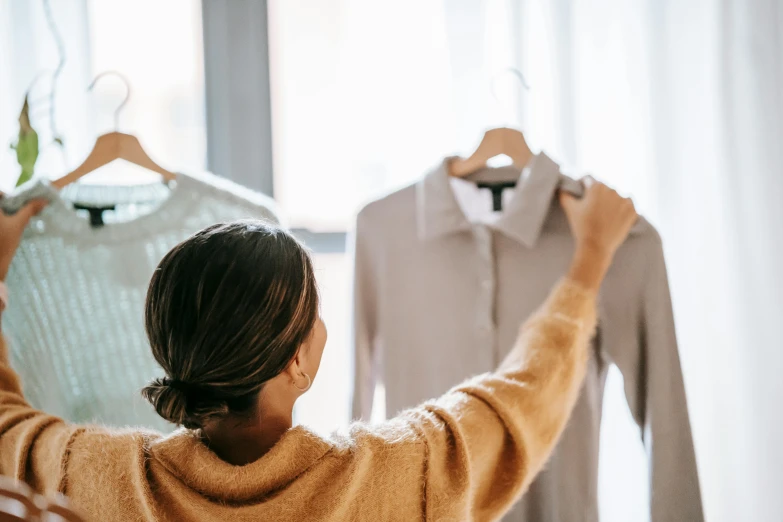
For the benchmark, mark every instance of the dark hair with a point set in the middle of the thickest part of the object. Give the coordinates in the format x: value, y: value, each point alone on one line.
x: 227, y: 309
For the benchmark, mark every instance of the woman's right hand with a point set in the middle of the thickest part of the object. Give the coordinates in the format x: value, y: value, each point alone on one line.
x: 600, y: 221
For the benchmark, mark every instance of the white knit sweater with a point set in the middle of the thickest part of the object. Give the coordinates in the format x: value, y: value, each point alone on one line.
x: 78, y: 291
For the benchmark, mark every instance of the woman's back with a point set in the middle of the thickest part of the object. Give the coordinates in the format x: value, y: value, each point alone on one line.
x: 136, y: 476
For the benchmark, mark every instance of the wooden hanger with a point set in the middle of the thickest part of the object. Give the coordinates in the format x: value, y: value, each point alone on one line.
x: 502, y: 140
x: 113, y: 146
x: 495, y: 142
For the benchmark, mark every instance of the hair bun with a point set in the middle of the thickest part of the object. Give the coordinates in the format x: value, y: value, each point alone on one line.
x: 182, y: 403
x: 170, y: 401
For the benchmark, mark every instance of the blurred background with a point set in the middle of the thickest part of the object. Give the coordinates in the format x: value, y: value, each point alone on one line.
x: 327, y: 104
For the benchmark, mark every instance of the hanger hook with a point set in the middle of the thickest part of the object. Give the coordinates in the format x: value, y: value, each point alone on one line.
x: 124, y: 100
x: 508, y: 70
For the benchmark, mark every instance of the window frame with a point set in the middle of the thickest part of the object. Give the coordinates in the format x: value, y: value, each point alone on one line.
x: 239, y: 104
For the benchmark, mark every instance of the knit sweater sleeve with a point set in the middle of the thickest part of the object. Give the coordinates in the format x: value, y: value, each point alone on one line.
x: 490, y: 436
x: 33, y: 444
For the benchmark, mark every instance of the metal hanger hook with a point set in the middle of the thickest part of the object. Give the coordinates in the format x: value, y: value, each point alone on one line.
x: 124, y: 100
x: 508, y: 70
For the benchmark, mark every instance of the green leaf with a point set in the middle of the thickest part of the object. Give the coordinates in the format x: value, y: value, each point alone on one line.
x: 24, y: 177
x: 26, y: 145
x: 27, y: 150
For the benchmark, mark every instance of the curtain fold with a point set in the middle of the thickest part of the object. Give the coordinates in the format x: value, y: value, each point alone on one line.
x: 752, y: 123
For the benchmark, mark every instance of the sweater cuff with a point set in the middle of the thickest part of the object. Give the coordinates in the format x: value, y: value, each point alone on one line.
x: 573, y: 303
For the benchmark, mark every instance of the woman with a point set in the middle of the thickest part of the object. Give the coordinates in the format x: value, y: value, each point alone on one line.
x: 232, y: 317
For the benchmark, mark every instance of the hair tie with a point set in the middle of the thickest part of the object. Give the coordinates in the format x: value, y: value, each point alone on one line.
x: 178, y: 385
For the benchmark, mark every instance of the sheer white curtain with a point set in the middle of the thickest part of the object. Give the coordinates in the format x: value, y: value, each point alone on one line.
x: 681, y: 105
x: 751, y: 119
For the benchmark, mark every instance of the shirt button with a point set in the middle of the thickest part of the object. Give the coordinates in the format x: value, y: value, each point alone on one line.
x: 487, y: 284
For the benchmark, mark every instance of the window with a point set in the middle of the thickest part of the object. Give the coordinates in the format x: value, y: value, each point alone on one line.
x: 363, y: 102
x: 366, y: 97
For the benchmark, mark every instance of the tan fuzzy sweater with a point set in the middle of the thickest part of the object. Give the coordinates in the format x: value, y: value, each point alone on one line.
x: 465, y: 456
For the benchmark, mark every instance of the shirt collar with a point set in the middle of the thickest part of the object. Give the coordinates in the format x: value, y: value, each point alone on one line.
x: 439, y: 213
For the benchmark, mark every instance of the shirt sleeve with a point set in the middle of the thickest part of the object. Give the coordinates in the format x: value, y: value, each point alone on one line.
x: 656, y: 396
x: 365, y: 352
x: 489, y: 437
x: 33, y: 444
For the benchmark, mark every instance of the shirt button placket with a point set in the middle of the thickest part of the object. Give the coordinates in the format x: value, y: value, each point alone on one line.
x: 486, y: 292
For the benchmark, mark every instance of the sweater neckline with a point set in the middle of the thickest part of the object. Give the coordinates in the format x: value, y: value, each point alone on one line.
x: 186, y: 456
x: 170, y: 211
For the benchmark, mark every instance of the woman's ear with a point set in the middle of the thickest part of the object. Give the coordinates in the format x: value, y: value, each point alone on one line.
x: 296, y: 373
x: 294, y: 368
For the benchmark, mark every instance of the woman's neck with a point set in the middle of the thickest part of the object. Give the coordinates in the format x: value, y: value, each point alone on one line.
x: 242, y: 441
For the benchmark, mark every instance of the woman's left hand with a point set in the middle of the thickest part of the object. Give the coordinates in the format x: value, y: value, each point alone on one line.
x: 11, y: 230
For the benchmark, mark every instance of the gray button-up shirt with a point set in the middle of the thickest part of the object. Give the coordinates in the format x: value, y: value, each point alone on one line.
x: 438, y: 299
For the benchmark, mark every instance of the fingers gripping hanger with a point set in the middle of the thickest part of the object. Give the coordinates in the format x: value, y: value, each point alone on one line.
x: 497, y: 141
x: 113, y: 146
